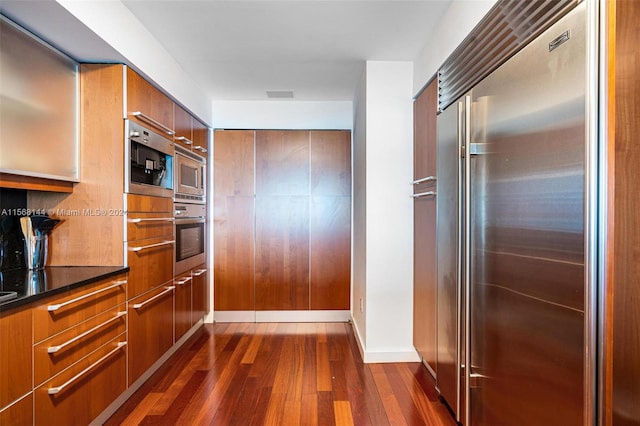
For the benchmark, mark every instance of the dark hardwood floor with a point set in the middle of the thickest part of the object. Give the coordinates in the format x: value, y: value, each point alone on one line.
x: 282, y: 374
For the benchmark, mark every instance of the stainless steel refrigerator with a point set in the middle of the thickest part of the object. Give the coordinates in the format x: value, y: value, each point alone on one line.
x: 511, y: 238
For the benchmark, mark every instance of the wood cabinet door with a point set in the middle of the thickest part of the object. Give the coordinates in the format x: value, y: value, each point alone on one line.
x: 184, y: 287
x: 234, y: 220
x: 143, y: 97
x: 150, y: 264
x: 233, y: 158
x: 200, y: 138
x: 282, y: 253
x: 184, y: 131
x: 425, y: 280
x: 150, y: 329
x: 330, y: 162
x: 85, y: 389
x: 18, y: 414
x: 425, y: 113
x: 234, y: 247
x: 282, y: 162
x: 330, y: 233
x: 200, y: 291
x: 15, y: 355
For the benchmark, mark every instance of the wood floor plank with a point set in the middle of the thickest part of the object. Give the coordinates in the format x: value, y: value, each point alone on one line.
x: 389, y: 400
x: 309, y: 410
x: 342, y: 412
x: 323, y: 369
x: 282, y: 374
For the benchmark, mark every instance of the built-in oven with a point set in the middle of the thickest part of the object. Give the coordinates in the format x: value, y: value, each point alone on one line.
x: 148, y: 162
x: 190, y: 234
x: 190, y: 175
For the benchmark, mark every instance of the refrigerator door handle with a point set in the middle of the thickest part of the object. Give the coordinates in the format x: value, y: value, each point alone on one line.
x: 467, y: 260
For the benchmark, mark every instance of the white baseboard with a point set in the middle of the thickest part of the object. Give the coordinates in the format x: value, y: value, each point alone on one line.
x: 302, y: 316
x: 234, y: 316
x: 282, y: 316
x: 376, y: 357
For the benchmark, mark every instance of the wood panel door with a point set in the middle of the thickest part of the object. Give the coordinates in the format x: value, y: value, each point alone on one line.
x: 234, y: 216
x: 282, y: 162
x: 424, y: 223
x: 425, y: 114
x: 184, y: 133
x: 200, y: 138
x: 330, y: 234
x: 330, y: 162
x: 200, y: 303
x: 282, y: 253
x: 330, y: 219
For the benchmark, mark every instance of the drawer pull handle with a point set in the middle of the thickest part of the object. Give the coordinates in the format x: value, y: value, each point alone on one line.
x: 153, y: 122
x: 57, y: 389
x: 54, y: 349
x: 151, y: 219
x: 200, y: 148
x: 52, y: 308
x: 425, y: 194
x: 183, y: 281
x: 199, y: 272
x: 427, y: 179
x: 164, y: 243
x: 184, y: 140
x: 151, y: 299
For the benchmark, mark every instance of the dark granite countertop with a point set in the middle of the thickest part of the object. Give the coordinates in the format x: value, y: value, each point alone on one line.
x: 30, y: 286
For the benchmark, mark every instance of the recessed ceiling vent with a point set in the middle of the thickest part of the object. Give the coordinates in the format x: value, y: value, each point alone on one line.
x: 280, y: 94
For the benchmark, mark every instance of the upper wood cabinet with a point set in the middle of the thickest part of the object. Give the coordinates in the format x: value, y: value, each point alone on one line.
x: 184, y: 129
x: 200, y: 138
x: 330, y: 162
x: 282, y: 162
x: 425, y: 113
x: 148, y: 105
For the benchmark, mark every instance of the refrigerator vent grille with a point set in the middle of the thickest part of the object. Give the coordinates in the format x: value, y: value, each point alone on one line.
x: 506, y: 28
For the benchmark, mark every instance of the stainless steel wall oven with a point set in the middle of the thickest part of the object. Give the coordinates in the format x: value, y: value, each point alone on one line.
x: 190, y: 234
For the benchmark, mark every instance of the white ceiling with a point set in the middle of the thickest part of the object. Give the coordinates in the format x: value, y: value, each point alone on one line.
x: 237, y: 50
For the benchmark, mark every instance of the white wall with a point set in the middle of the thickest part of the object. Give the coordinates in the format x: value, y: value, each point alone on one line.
x: 459, y: 19
x: 118, y: 27
x: 388, y: 289
x: 359, y: 228
x: 283, y: 114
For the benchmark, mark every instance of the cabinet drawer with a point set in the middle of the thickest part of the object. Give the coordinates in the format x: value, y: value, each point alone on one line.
x: 148, y: 204
x: 149, y: 225
x: 150, y: 329
x: 59, y: 352
x: 85, y: 389
x: 150, y: 264
x: 19, y: 413
x: 200, y: 294
x: 184, y: 285
x: 61, y: 312
x: 15, y: 355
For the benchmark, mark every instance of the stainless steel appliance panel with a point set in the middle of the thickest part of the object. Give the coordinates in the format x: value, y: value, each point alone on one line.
x: 527, y: 280
x: 190, y: 177
x: 190, y: 234
x: 448, y: 257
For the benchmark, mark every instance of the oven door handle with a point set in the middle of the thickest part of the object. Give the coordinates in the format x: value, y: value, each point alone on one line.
x: 189, y: 221
x: 151, y: 219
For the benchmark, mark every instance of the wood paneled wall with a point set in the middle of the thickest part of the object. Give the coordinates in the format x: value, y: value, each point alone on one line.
x: 622, y: 370
x: 290, y: 247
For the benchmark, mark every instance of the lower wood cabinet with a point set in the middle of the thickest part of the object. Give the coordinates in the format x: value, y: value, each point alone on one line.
x: 15, y: 355
x: 84, y: 390
x: 184, y: 288
x: 53, y: 355
x: 150, y: 320
x: 200, y: 303
x: 20, y: 413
